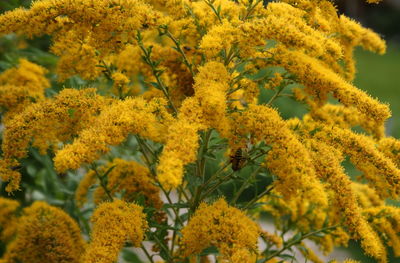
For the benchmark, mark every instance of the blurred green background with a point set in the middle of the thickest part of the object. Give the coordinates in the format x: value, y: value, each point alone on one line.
x: 380, y: 77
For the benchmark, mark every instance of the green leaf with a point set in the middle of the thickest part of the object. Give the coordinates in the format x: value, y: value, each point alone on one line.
x: 129, y: 256
x: 71, y: 112
x: 297, y: 237
x: 209, y: 250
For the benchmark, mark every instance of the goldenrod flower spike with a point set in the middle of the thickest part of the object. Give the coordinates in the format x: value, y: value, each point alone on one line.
x: 8, y: 218
x: 346, y: 117
x: 385, y: 220
x: 45, y: 234
x: 127, y: 177
x: 288, y: 159
x: 328, y: 165
x: 376, y: 167
x: 113, y: 224
x: 111, y: 127
x: 84, y: 32
x: 21, y: 86
x: 206, y: 109
x: 222, y: 226
x: 320, y: 81
x: 45, y: 124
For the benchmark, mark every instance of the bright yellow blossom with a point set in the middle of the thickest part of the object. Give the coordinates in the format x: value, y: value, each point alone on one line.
x: 113, y: 224
x: 224, y: 227
x: 45, y: 234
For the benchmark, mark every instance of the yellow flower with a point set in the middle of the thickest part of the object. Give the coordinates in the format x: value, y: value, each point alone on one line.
x: 111, y: 127
x: 21, y: 86
x: 8, y: 218
x: 125, y: 177
x: 113, y: 224
x: 288, y: 159
x: 222, y: 226
x: 45, y: 234
x: 46, y: 123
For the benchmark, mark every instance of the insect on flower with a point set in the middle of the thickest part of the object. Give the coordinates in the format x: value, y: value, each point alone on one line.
x: 238, y: 160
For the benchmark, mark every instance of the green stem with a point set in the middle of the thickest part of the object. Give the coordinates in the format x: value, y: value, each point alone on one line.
x: 276, y: 95
x: 156, y: 72
x: 203, y: 153
x: 232, y: 53
x: 250, y: 9
x: 255, y: 199
x: 297, y: 241
x: 244, y: 185
x: 182, y: 191
x: 213, y: 188
x: 178, y: 47
x: 147, y: 254
x: 201, y: 163
x: 102, y: 184
x: 214, y: 10
x: 163, y: 247
x: 175, y: 227
x: 217, y: 173
x: 107, y: 72
x: 153, y: 172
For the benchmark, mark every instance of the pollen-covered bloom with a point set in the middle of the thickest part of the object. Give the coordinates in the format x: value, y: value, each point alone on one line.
x: 225, y: 227
x: 8, y: 218
x: 128, y: 178
x: 45, y: 124
x: 83, y: 32
x: 114, y: 223
x: 111, y: 127
x: 21, y: 86
x: 45, y: 234
x: 207, y: 109
x: 288, y: 159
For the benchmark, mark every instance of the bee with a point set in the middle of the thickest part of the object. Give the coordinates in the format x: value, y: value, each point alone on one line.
x: 238, y: 160
x: 15, y: 168
x: 189, y: 51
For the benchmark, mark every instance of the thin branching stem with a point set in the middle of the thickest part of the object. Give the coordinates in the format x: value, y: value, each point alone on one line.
x: 298, y: 241
x: 179, y: 49
x: 156, y: 72
x: 102, y: 183
x: 150, y: 258
x: 245, y: 184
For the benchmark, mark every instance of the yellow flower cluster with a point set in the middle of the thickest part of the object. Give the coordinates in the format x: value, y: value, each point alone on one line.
x: 21, y: 86
x: 127, y: 177
x: 327, y: 163
x: 8, y: 218
x: 225, y: 227
x: 45, y: 234
x: 288, y: 159
x: 111, y: 127
x: 206, y: 109
x: 113, y: 224
x: 46, y: 123
x: 84, y: 32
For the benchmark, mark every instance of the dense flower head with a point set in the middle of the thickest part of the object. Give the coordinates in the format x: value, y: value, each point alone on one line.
x: 125, y: 177
x: 84, y: 31
x: 45, y: 124
x: 45, y: 234
x: 111, y: 127
x: 8, y: 218
x: 225, y: 227
x: 114, y: 223
x: 22, y: 85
